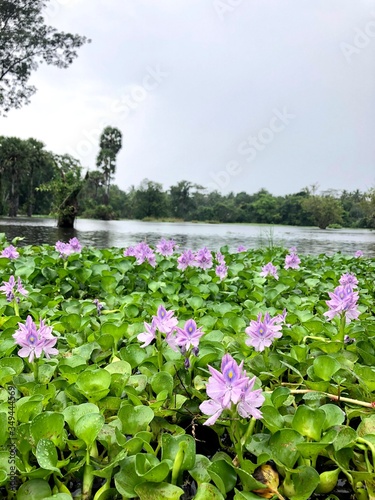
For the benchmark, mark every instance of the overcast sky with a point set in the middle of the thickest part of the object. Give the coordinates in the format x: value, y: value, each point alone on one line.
x: 235, y: 95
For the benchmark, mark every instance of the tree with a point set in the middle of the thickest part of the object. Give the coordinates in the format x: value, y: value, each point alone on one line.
x: 150, y: 200
x: 25, y: 42
x: 110, y: 144
x: 13, y: 159
x: 325, y: 210
x: 65, y: 188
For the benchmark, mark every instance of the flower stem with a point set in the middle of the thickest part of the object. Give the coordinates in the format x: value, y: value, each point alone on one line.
x: 249, y: 431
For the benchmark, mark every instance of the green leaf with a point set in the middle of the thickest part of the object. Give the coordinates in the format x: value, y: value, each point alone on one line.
x: 35, y: 489
x: 48, y: 425
x: 46, y: 454
x: 223, y: 474
x: 135, y: 418
x: 149, y: 468
x: 88, y: 427
x: 171, y: 446
x: 283, y: 446
x: 73, y: 413
x: 94, y: 384
x: 199, y: 471
x: 207, y: 491
x: 158, y: 491
x: 162, y: 381
x: 325, y: 367
x: 309, y: 422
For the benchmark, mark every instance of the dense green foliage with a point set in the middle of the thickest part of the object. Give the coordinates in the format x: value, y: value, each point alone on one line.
x: 25, y: 42
x: 105, y: 418
x: 28, y: 172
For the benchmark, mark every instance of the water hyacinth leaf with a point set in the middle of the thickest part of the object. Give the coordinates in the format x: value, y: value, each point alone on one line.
x: 74, y: 412
x: 304, y: 482
x: 366, y: 376
x: 71, y: 322
x: 127, y: 478
x: 35, y: 489
x: 117, y: 332
x: 149, y: 468
x: 121, y: 367
x: 223, y: 475
x: 367, y: 426
x: 162, y: 381
x: 207, y: 491
x: 283, y: 447
x: 49, y: 425
x: 248, y: 482
x: 334, y: 415
x: 345, y: 438
x: 88, y: 427
x: 46, y: 454
x: 325, y: 366
x: 199, y: 471
x: 195, y: 302
x: 16, y: 364
x: 279, y: 396
x: 133, y: 354
x: 158, y: 491
x: 245, y: 495
x: 309, y: 422
x: 28, y: 407
x: 94, y: 384
x: 3, y: 427
x: 309, y: 450
x: 7, y: 374
x: 171, y: 446
x: 135, y: 418
x: 272, y: 418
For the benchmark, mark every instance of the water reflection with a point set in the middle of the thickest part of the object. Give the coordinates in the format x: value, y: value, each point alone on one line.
x: 105, y: 234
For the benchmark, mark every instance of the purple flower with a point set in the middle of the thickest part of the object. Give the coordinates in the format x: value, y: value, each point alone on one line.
x: 186, y: 259
x: 250, y: 401
x: 10, y: 252
x: 293, y: 249
x: 220, y: 257
x: 63, y: 248
x: 99, y: 306
x: 343, y: 301
x: 262, y: 333
x: 129, y: 252
x: 269, y: 270
x: 203, y: 258
x: 143, y: 252
x: 292, y: 261
x: 34, y: 342
x: 11, y: 288
x: 358, y: 254
x: 149, y: 335
x: 75, y: 245
x: 188, y: 336
x: 230, y: 387
x: 241, y: 248
x: 221, y: 271
x: 165, y: 247
x: 165, y: 321
x: 349, y: 279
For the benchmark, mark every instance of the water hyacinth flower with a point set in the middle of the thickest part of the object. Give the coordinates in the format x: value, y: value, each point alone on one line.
x: 149, y: 335
x: 349, y: 279
x: 241, y: 248
x: 165, y: 247
x: 35, y: 341
x: 142, y: 252
x: 343, y: 301
x: 358, y: 254
x: 292, y: 261
x: 188, y: 336
x: 10, y: 252
x: 11, y: 288
x: 221, y: 271
x: 263, y: 332
x: 231, y: 388
x: 99, y: 306
x: 165, y: 321
x: 203, y: 258
x: 269, y: 270
x: 186, y: 259
x: 63, y: 248
x: 75, y: 245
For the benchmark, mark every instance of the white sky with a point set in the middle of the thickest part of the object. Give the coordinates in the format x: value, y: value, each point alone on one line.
x: 235, y: 95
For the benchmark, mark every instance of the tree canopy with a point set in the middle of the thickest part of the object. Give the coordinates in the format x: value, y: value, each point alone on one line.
x: 25, y: 42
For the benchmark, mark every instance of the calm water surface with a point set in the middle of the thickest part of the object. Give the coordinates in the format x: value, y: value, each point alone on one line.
x: 105, y: 234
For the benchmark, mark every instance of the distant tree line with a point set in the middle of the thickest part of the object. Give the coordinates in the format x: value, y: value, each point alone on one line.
x: 34, y: 181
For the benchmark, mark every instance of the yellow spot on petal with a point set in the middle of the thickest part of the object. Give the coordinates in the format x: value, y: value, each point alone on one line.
x: 230, y: 374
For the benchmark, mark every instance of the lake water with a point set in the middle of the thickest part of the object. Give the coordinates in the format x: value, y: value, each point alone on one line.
x: 105, y: 234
